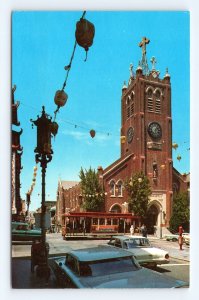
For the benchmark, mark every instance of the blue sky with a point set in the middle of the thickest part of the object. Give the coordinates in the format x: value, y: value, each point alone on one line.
x: 42, y: 43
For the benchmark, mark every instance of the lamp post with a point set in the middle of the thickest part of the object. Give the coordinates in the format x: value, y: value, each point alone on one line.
x: 160, y: 223
x: 45, y: 129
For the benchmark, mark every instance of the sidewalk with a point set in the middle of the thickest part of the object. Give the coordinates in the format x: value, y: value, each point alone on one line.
x: 22, y: 278
x: 172, y: 248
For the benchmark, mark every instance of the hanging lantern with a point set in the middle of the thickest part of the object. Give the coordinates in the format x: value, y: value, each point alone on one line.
x: 35, y: 169
x: 84, y: 33
x: 34, y: 180
x: 54, y: 128
x: 174, y: 146
x: 92, y: 133
x: 35, y: 174
x: 123, y: 139
x: 179, y: 157
x: 60, y: 98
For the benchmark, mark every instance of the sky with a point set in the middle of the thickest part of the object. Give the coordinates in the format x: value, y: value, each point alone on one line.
x: 42, y: 44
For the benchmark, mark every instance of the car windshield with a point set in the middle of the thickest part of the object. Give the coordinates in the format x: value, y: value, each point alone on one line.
x: 137, y: 243
x: 107, y: 267
x: 20, y: 227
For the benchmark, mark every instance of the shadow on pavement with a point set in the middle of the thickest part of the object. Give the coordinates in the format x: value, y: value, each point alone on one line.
x: 22, y: 278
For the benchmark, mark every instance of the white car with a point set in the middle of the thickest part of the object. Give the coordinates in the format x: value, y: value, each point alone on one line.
x: 175, y: 237
x: 106, y: 267
x: 171, y: 237
x: 141, y: 249
x: 186, y: 238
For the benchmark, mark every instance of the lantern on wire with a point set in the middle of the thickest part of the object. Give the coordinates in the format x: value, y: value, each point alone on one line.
x: 92, y: 133
x: 60, y: 98
x: 179, y: 158
x: 54, y: 128
x: 175, y: 146
x: 84, y: 34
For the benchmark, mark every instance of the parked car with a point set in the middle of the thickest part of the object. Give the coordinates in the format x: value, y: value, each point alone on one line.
x: 174, y: 237
x: 106, y: 267
x: 22, y: 232
x: 142, y: 250
x: 187, y: 239
x: 171, y: 237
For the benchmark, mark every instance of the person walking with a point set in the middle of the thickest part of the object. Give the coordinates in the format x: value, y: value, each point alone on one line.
x: 144, y: 231
x: 132, y: 230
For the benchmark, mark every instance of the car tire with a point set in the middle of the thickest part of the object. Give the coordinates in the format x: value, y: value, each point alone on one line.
x: 174, y: 240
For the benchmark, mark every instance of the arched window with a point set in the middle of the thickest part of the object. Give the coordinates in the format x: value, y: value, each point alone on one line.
x: 112, y: 188
x: 116, y: 209
x: 132, y: 104
x: 119, y: 187
x: 150, y: 100
x: 157, y: 102
x: 175, y: 188
x: 128, y: 103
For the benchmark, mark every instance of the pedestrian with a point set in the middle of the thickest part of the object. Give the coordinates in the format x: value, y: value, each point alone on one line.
x: 132, y: 230
x: 155, y: 230
x: 144, y: 231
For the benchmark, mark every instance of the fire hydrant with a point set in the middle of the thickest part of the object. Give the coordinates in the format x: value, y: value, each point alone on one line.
x: 180, y: 239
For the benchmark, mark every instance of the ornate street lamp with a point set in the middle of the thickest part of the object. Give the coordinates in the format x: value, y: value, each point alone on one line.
x: 43, y: 150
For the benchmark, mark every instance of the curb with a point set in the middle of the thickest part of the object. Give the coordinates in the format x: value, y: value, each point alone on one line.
x: 183, y: 259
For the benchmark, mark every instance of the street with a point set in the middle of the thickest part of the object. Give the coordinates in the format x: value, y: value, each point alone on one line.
x: 178, y: 267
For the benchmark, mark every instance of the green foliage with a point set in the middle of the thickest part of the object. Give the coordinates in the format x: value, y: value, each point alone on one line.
x: 139, y: 190
x: 181, y: 212
x: 93, y: 195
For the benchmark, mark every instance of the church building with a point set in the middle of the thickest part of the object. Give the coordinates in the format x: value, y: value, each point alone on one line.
x: 146, y: 144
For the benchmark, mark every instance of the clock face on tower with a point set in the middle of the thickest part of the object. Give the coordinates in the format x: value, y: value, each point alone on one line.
x: 130, y: 134
x: 155, y: 130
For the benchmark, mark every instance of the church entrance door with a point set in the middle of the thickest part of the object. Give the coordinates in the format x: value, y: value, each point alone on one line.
x: 152, y: 218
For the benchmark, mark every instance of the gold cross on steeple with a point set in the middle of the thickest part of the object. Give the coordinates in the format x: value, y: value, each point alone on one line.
x: 143, y: 44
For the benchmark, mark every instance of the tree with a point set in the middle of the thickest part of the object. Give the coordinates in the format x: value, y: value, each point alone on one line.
x: 93, y: 195
x: 181, y: 212
x: 139, y: 190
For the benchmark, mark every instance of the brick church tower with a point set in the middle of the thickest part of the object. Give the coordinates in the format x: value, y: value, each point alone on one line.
x: 147, y: 127
x: 146, y: 139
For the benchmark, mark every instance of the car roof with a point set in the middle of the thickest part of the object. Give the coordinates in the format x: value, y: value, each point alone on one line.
x: 99, y: 253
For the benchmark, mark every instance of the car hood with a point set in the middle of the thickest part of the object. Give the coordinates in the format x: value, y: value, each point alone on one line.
x: 142, y: 278
x: 35, y: 231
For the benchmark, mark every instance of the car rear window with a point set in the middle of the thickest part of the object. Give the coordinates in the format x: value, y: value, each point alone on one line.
x: 137, y: 243
x: 107, y: 267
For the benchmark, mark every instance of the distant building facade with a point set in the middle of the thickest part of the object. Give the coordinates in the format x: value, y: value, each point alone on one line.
x: 16, y: 167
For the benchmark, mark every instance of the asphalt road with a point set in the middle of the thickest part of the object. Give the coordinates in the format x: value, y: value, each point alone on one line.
x: 177, y: 268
